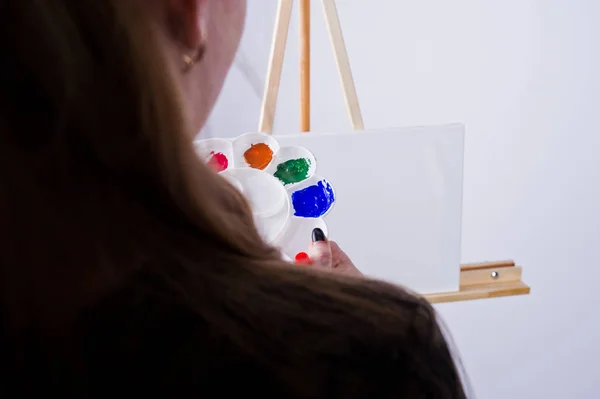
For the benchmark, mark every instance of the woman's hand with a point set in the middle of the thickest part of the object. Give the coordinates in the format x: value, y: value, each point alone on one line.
x: 340, y: 262
x: 327, y: 255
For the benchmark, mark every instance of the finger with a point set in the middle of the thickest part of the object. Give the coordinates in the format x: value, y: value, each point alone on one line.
x: 320, y: 250
x: 337, y: 254
x: 320, y: 254
x: 341, y: 261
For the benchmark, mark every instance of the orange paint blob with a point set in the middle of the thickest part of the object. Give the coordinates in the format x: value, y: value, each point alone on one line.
x: 258, y: 156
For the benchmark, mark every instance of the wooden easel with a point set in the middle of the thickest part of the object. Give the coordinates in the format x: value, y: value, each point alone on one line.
x: 278, y: 45
x: 477, y: 281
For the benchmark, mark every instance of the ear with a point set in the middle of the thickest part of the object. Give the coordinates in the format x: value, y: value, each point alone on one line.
x: 187, y: 21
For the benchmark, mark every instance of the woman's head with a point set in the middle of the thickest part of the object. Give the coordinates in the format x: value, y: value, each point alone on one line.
x: 98, y: 109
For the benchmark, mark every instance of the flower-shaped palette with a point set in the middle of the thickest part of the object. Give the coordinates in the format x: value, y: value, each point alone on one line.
x: 287, y: 198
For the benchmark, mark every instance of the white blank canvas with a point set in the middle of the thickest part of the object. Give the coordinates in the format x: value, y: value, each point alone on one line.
x: 399, y: 201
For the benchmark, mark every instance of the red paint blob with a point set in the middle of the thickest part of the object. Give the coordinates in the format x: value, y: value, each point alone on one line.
x: 218, y: 162
x: 302, y: 258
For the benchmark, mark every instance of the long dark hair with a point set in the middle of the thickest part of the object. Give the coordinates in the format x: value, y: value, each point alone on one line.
x: 127, y: 263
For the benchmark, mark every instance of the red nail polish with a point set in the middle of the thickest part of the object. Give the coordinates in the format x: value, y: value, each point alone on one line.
x: 302, y: 258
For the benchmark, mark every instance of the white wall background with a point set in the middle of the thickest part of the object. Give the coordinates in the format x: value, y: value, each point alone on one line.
x: 524, y: 76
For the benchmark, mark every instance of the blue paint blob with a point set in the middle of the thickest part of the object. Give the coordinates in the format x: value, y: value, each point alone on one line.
x: 313, y: 201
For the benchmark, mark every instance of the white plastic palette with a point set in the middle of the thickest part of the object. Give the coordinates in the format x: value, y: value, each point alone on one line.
x: 287, y: 198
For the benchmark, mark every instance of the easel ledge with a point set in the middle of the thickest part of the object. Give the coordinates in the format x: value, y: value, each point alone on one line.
x: 485, y: 280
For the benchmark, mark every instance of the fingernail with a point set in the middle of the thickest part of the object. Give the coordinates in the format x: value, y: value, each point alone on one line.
x: 318, y: 235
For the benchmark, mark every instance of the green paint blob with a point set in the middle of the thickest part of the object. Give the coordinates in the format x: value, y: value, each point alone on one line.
x: 293, y: 171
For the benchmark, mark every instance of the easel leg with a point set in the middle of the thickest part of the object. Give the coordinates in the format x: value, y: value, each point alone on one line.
x: 304, y: 13
x: 280, y: 33
x: 343, y: 63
